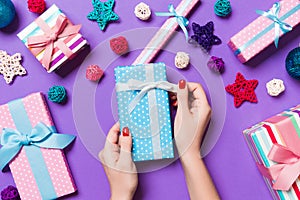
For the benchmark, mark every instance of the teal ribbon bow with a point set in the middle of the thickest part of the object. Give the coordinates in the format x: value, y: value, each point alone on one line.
x: 272, y: 14
x: 12, y: 141
x: 182, y: 21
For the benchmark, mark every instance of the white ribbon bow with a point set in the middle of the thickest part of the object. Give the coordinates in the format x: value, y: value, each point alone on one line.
x: 144, y: 88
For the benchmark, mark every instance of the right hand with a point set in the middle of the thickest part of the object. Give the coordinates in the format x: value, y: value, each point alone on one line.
x: 192, y: 117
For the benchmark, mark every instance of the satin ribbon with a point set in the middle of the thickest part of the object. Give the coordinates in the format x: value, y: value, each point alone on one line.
x: 60, y: 30
x: 272, y: 14
x: 144, y: 88
x: 286, y: 172
x: 42, y: 136
x: 182, y: 21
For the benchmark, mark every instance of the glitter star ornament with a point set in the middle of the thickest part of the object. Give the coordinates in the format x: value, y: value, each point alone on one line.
x: 242, y: 90
x: 103, y: 13
x: 10, y: 66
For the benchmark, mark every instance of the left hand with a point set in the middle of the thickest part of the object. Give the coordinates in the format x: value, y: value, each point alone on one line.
x: 118, y: 165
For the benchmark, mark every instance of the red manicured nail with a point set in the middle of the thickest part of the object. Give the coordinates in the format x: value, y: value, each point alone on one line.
x: 174, y: 103
x: 182, y: 84
x: 125, y: 131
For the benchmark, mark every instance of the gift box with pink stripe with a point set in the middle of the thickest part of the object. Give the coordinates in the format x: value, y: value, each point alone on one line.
x: 266, y: 29
x: 33, y: 150
x: 275, y: 146
x: 52, y: 38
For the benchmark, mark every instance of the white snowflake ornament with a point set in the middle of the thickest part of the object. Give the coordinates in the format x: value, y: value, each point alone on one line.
x: 10, y: 66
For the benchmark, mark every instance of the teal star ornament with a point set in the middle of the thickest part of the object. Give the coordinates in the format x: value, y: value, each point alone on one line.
x: 103, y: 13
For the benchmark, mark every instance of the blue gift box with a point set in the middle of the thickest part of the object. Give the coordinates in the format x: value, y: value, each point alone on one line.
x: 143, y: 106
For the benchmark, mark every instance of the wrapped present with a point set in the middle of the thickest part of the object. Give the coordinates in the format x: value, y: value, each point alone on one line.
x: 266, y: 29
x: 33, y: 150
x: 177, y: 18
x: 143, y: 107
x: 52, y: 38
x: 275, y: 146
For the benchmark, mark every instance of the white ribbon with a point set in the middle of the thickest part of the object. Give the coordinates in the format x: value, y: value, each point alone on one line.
x: 144, y: 88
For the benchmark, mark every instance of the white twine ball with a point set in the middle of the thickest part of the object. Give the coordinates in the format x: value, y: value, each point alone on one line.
x: 182, y: 60
x: 275, y: 87
x: 142, y: 11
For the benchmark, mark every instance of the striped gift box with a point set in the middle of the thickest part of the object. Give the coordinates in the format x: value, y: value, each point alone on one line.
x: 261, y: 137
x: 164, y: 33
x: 75, y: 42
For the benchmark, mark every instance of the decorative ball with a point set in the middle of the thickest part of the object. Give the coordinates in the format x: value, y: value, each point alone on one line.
x: 222, y: 8
x: 216, y: 64
x: 7, y: 12
x: 36, y: 6
x: 182, y: 60
x: 94, y: 73
x: 292, y: 63
x: 119, y: 45
x: 10, y: 193
x: 57, y: 94
x: 275, y: 87
x: 142, y: 11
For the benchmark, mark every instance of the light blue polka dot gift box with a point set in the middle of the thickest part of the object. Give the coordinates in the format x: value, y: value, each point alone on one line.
x: 143, y: 105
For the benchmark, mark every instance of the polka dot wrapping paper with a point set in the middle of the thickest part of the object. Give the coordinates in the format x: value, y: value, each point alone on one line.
x: 152, y: 133
x: 39, y: 173
x: 260, y: 33
x: 282, y: 129
x: 67, y: 43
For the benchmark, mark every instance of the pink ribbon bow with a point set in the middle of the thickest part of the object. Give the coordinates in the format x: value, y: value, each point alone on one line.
x: 286, y: 172
x: 51, y: 36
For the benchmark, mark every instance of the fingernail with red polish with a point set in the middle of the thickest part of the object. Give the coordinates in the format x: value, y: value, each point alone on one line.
x: 125, y: 131
x: 182, y: 84
x: 174, y: 103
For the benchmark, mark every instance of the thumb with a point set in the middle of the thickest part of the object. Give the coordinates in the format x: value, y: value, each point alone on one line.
x: 125, y: 140
x: 125, y: 162
x: 182, y: 96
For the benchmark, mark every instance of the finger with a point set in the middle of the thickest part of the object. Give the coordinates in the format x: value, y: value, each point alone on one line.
x: 198, y: 92
x: 196, y: 103
x: 125, y: 162
x: 113, y: 134
x: 182, y: 96
x: 174, y: 103
x: 125, y: 141
x: 110, y: 154
x: 173, y: 99
x: 108, y: 157
x: 172, y: 95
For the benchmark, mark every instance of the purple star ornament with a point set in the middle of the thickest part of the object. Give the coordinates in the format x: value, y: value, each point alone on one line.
x: 204, y: 36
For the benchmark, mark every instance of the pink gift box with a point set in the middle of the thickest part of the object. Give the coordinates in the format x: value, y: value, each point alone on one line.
x: 259, y: 34
x: 74, y: 42
x: 60, y: 179
x: 282, y: 129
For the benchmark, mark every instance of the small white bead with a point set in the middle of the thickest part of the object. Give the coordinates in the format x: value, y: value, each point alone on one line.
x: 142, y: 11
x: 182, y: 60
x: 275, y: 87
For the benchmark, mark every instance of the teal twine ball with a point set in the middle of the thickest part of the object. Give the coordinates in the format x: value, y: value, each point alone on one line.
x: 7, y: 12
x: 292, y: 63
x: 57, y: 94
x: 222, y: 8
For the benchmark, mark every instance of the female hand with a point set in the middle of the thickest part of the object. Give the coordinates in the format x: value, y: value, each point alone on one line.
x: 193, y: 115
x: 118, y: 165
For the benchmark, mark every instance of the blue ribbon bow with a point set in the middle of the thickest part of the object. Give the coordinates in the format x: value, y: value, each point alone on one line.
x: 182, y: 21
x: 40, y: 136
x: 272, y: 14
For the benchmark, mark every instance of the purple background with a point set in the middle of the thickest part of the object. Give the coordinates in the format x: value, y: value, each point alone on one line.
x: 230, y: 163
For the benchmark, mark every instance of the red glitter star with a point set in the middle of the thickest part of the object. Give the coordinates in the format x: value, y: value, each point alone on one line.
x: 242, y: 90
